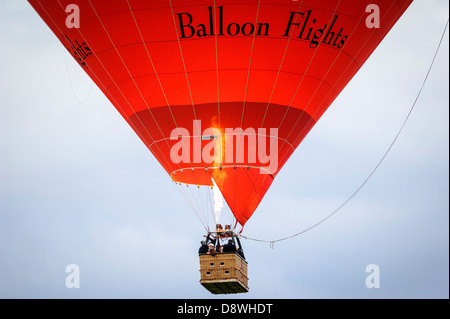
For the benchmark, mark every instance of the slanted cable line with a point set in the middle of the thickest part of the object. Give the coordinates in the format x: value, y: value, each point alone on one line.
x: 344, y: 72
x: 271, y: 242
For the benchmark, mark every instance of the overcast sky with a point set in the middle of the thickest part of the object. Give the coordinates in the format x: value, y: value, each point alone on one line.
x: 77, y: 186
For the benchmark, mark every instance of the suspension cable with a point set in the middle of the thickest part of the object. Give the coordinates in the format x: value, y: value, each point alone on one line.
x: 272, y: 242
x: 71, y: 84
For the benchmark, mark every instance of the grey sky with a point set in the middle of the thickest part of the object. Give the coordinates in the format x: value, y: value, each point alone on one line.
x: 77, y: 186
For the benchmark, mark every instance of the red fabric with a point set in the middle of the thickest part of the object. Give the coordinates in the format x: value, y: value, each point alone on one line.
x: 248, y: 64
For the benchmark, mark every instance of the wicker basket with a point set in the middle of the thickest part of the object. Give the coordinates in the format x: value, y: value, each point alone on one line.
x: 223, y: 273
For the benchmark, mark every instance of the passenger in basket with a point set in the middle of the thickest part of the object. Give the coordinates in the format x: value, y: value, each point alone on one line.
x: 203, y: 248
x: 230, y: 247
x: 211, y: 249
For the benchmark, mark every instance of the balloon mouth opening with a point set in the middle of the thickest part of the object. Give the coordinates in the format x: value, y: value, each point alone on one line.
x: 212, y: 175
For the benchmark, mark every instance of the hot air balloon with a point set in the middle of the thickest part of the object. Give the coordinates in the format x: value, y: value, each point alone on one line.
x: 221, y: 92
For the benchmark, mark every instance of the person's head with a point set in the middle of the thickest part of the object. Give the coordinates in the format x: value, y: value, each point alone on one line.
x: 203, y: 243
x: 230, y: 241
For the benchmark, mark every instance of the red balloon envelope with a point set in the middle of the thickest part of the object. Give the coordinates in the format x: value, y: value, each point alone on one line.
x: 221, y: 90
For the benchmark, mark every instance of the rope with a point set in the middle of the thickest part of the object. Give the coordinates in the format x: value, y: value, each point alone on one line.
x: 272, y: 242
x: 71, y: 84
